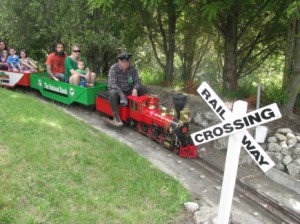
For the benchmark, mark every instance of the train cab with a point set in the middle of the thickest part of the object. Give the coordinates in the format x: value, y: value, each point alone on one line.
x: 139, y: 105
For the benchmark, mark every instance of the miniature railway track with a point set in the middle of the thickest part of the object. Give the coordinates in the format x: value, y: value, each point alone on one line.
x: 275, y: 210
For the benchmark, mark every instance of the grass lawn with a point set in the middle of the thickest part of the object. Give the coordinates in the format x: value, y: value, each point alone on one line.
x: 56, y: 169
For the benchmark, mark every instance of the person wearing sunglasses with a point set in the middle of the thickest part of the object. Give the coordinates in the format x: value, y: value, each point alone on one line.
x: 55, y: 63
x: 71, y: 75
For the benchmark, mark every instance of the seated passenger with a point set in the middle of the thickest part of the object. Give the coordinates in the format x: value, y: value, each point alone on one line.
x: 3, y: 60
x: 55, y: 63
x: 26, y: 64
x: 2, y: 46
x: 123, y: 80
x: 82, y: 72
x: 13, y: 60
x: 73, y: 77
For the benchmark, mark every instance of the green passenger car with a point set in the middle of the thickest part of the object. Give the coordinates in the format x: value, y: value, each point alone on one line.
x: 65, y: 92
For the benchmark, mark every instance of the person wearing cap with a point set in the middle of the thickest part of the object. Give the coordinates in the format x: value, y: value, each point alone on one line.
x: 123, y: 80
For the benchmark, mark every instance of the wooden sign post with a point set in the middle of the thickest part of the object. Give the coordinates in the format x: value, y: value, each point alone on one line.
x: 234, y: 124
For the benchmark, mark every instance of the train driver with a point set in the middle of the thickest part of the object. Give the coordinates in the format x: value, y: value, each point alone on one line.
x: 123, y: 80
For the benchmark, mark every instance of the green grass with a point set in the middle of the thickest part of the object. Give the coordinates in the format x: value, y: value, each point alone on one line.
x: 56, y: 169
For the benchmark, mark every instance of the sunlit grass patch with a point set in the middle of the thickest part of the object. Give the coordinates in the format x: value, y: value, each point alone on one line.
x: 55, y: 169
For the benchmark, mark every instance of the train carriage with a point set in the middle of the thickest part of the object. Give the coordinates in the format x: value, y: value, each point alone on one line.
x: 11, y: 79
x: 64, y: 92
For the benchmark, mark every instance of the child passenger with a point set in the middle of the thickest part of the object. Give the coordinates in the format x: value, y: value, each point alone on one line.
x: 25, y: 63
x: 3, y: 60
x: 13, y: 60
x: 80, y: 69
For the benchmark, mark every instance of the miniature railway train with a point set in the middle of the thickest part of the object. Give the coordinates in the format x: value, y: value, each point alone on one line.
x: 141, y: 113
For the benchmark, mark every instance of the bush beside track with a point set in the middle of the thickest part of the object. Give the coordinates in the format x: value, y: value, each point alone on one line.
x: 55, y: 169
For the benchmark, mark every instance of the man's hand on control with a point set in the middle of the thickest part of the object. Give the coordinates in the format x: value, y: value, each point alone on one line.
x: 134, y: 92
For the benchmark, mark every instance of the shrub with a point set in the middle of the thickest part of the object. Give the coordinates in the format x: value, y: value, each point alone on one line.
x: 191, y: 87
x: 274, y: 93
x: 152, y: 78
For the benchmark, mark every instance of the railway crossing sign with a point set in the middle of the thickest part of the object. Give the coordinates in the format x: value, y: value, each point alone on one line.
x: 234, y: 124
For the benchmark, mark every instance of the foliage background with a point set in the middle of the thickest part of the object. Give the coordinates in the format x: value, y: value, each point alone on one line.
x: 233, y: 45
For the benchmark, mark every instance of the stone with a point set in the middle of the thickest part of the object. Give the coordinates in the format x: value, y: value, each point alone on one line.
x: 272, y: 139
x: 297, y: 161
x: 294, y: 169
x: 296, y: 150
x: 280, y: 166
x: 191, y: 206
x: 284, y: 131
x: 292, y: 142
x: 286, y: 152
x: 284, y: 145
x: 198, y: 119
x: 280, y: 137
x: 205, y: 214
x: 278, y: 157
x: 274, y: 147
x: 295, y: 156
x: 287, y: 160
x: 271, y: 154
x: 290, y: 135
x: 210, y: 116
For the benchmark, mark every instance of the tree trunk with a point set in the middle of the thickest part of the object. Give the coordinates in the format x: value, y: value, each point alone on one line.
x: 171, y: 42
x: 294, y: 80
x: 289, y: 53
x: 230, y: 62
x: 188, y: 58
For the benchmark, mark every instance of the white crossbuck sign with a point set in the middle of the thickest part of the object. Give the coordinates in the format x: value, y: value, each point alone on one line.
x: 231, y: 125
x: 234, y: 124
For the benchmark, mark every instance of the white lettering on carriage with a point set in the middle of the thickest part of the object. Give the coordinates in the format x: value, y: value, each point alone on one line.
x: 58, y: 89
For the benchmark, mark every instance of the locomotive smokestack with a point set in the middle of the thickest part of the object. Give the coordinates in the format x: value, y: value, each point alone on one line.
x: 179, y: 101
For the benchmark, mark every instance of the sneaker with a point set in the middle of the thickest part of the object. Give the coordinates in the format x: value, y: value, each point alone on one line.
x: 117, y: 122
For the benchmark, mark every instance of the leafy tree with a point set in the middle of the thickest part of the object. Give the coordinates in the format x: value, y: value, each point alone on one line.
x: 193, y: 40
x: 251, y: 31
x: 38, y: 24
x: 158, y: 21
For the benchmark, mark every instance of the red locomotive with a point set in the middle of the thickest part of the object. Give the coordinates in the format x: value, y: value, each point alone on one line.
x: 143, y: 113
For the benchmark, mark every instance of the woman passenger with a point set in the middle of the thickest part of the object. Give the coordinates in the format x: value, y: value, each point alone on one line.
x: 73, y: 77
x: 3, y: 46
